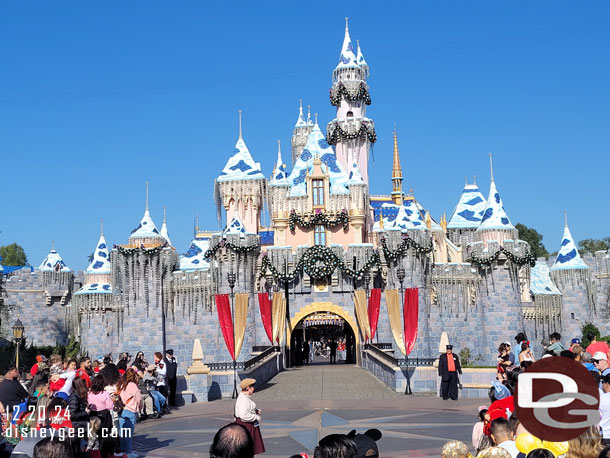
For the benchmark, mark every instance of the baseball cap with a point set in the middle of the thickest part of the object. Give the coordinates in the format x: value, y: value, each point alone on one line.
x: 599, y: 356
x: 507, y: 343
x: 576, y: 340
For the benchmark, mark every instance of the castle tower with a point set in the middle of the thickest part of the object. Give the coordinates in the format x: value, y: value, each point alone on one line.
x: 146, y: 233
x: 278, y: 189
x: 397, y: 195
x: 241, y: 187
x: 351, y: 131
x: 164, y: 232
x: 301, y: 131
x: 466, y: 216
x: 495, y: 224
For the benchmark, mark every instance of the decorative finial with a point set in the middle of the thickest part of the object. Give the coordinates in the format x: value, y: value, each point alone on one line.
x: 474, y: 178
x: 239, y: 111
x: 316, y: 118
x: 301, y: 105
x: 346, y: 23
x: 466, y: 179
x: 279, y: 148
x: 147, y: 196
x: 308, y: 112
x: 102, y: 227
x: 565, y: 215
x: 52, y: 245
x: 491, y: 168
x: 164, y: 213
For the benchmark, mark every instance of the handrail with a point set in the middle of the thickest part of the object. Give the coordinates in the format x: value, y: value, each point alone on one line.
x: 381, y: 354
x: 400, y: 362
x: 244, y: 365
x: 258, y: 358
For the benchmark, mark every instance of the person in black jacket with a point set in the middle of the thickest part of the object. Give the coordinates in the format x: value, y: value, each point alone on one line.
x: 12, y: 392
x: 171, y: 375
x: 79, y: 413
x: 448, y: 369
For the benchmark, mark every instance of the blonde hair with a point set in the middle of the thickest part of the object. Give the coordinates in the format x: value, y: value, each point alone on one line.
x: 587, y: 445
x: 55, y: 359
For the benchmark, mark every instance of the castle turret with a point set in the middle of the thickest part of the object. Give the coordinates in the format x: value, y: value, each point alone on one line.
x: 466, y: 216
x: 351, y: 131
x: 397, y: 195
x: 241, y: 186
x: 164, y: 232
x: 495, y: 224
x: 301, y: 131
x: 278, y: 189
x: 146, y: 233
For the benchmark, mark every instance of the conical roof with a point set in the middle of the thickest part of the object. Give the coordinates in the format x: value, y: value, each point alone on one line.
x: 317, y: 147
x: 194, y: 258
x: 240, y: 165
x: 568, y: 256
x: 235, y: 227
x: 53, y: 263
x: 355, y: 177
x: 360, y: 59
x: 401, y: 217
x: 309, y: 120
x: 101, y: 258
x: 494, y: 216
x: 164, y: 232
x: 469, y: 210
x: 347, y: 58
x: 279, y: 172
x: 301, y: 119
x: 146, y: 228
x: 540, y: 280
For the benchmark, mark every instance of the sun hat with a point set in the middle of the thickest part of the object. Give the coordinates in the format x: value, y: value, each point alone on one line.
x: 245, y: 383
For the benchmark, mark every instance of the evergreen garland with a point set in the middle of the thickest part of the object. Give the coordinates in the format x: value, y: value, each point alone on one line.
x: 488, y: 261
x: 140, y: 249
x: 407, y: 242
x: 230, y: 246
x: 338, y: 133
x: 362, y: 94
x: 319, y: 217
x: 319, y: 262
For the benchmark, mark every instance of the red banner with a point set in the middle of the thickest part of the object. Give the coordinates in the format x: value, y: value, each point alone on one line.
x: 265, y: 308
x: 374, y: 301
x: 226, y: 322
x: 410, y: 314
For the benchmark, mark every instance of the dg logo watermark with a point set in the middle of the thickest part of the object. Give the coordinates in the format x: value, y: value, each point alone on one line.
x: 557, y: 399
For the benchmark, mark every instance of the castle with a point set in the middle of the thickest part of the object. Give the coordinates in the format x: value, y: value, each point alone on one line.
x: 329, y: 246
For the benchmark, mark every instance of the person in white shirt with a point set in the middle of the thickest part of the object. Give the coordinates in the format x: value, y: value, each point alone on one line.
x: 161, y: 374
x: 69, y: 375
x: 604, y: 409
x: 502, y: 436
x: 247, y: 415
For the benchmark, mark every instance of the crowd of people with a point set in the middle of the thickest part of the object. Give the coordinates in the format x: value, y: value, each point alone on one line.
x: 93, y: 406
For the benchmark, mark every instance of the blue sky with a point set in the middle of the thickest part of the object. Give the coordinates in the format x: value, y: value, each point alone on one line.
x: 96, y: 98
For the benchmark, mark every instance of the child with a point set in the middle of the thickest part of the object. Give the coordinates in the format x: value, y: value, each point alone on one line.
x: 93, y: 442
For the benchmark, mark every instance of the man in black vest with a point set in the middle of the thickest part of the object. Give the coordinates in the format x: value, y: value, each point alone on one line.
x: 448, y: 369
x: 172, y: 369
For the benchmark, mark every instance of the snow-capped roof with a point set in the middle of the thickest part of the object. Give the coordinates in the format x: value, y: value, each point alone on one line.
x: 408, y: 216
x: 540, y: 280
x: 469, y: 210
x: 95, y: 288
x: 317, y: 147
x: 194, y: 258
x: 347, y: 59
x: 309, y: 120
x: 494, y: 216
x: 235, y: 227
x: 568, y: 256
x: 240, y: 165
x: 164, y: 232
x: 360, y: 57
x: 301, y: 119
x: 280, y: 177
x: 53, y: 263
x: 146, y: 228
x: 101, y: 258
x: 355, y: 177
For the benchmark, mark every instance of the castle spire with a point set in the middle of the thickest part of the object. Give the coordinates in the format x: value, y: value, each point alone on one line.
x: 279, y: 171
x: 146, y: 210
x: 240, y: 137
x: 309, y: 121
x: 301, y: 119
x: 397, y: 195
x: 347, y: 57
x: 360, y: 60
x: 565, y: 216
x: 491, y: 168
x: 164, y: 231
x: 102, y: 227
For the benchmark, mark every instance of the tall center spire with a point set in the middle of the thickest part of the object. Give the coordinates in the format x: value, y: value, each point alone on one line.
x: 397, y: 195
x: 240, y: 137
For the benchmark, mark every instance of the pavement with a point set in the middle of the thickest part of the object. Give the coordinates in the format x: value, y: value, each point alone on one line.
x: 302, y: 405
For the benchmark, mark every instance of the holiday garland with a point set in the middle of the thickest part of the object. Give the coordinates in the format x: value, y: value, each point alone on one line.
x: 519, y: 260
x: 230, y: 246
x: 319, y: 262
x: 319, y: 218
x: 140, y: 249
x: 332, y: 138
x: 340, y: 90
x: 407, y: 242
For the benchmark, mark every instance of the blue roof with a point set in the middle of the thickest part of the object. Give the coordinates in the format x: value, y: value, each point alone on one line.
x: 53, y: 263
x: 194, y: 258
x: 240, y: 165
x: 540, y: 280
x: 101, y: 259
x: 494, y: 216
x: 568, y: 256
x: 469, y: 210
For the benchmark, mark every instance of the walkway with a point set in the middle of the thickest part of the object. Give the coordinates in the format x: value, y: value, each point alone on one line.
x: 302, y: 405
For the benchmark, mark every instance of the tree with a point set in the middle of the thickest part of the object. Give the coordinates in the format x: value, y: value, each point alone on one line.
x: 593, y: 245
x: 13, y: 255
x: 534, y: 238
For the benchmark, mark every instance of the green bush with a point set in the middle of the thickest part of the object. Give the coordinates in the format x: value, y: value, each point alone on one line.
x: 586, y: 329
x: 27, y: 354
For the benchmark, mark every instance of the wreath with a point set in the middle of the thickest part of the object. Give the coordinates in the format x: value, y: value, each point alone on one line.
x: 319, y: 218
x: 340, y: 90
x: 332, y: 138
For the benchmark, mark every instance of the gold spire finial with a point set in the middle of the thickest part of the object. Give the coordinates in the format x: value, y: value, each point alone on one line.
x: 147, y: 196
x: 444, y: 222
x: 240, y: 137
x: 197, y: 223
x: 491, y: 168
x: 428, y: 220
x: 397, y: 194
x: 380, y: 219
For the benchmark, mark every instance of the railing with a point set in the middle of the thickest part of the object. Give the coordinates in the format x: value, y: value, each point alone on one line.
x: 258, y: 358
x: 383, y: 346
x: 400, y: 362
x: 244, y: 365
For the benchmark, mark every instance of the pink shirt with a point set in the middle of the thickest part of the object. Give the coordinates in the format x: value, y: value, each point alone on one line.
x: 131, y: 397
x: 100, y: 401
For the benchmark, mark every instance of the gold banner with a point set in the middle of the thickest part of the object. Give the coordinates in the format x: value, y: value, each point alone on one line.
x: 392, y: 301
x: 241, y: 318
x: 278, y: 314
x: 362, y: 313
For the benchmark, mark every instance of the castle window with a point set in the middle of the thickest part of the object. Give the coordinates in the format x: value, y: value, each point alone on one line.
x: 319, y: 235
x: 318, y: 192
x: 350, y: 114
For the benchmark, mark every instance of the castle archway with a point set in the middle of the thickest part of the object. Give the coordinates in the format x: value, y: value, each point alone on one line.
x: 322, y: 320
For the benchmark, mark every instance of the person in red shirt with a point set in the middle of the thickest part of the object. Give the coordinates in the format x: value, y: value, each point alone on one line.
x: 83, y: 370
x: 39, y: 359
x: 596, y: 346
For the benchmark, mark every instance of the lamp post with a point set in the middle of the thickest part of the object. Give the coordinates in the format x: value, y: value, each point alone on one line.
x: 287, y: 317
x: 400, y: 273
x: 18, y: 336
x: 367, y: 278
x: 231, y: 281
